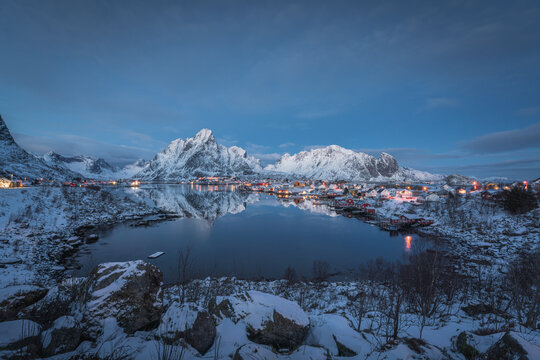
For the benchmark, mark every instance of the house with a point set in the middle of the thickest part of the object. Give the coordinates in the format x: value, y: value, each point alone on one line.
x: 385, y: 194
x: 432, y: 198
x: 6, y: 183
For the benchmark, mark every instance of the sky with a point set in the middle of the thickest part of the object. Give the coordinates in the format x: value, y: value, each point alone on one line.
x: 448, y: 87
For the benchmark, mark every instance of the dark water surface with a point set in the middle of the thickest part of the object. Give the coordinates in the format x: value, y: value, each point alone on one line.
x: 245, y: 235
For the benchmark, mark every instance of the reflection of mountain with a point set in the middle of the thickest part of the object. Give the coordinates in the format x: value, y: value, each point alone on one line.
x: 308, y: 205
x: 187, y: 202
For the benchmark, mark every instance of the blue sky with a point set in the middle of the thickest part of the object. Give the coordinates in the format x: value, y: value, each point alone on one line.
x: 443, y: 87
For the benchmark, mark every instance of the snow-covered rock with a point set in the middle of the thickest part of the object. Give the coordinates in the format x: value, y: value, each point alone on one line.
x: 129, y: 291
x: 511, y: 346
x: 190, y: 322
x: 18, y: 333
x: 334, y: 332
x: 261, y: 352
x: 16, y: 297
x: 337, y: 163
x: 269, y: 319
x: 63, y: 336
x: 17, y: 162
x: 199, y: 156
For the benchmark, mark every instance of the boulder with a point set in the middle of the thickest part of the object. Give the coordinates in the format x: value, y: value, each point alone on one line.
x: 270, y: 320
x: 335, y: 333
x: 255, y: 351
x: 511, y: 346
x: 15, y: 298
x: 129, y: 291
x: 17, y: 334
x: 190, y: 322
x: 462, y: 345
x: 63, y: 336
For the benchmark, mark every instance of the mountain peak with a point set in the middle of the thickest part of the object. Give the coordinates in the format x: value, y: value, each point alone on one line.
x: 5, y: 135
x: 205, y: 135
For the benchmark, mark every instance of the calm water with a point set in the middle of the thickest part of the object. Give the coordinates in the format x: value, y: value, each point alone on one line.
x: 245, y: 235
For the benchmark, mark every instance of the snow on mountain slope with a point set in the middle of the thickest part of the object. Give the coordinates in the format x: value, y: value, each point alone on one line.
x: 92, y: 168
x: 335, y: 162
x: 130, y: 170
x: 15, y: 160
x: 420, y: 176
x: 87, y: 166
x: 199, y: 156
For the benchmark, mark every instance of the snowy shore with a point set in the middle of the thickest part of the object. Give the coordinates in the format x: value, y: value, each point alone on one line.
x: 44, y: 226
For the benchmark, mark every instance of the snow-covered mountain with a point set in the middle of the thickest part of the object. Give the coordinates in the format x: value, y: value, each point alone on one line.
x: 457, y: 180
x: 17, y: 162
x: 87, y: 166
x: 92, y: 168
x: 130, y: 170
x: 334, y: 162
x: 199, y: 156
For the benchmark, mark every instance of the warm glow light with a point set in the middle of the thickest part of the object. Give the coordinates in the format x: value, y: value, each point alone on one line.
x: 408, y: 240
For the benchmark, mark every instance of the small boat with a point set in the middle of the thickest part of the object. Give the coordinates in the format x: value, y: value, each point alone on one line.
x: 156, y: 255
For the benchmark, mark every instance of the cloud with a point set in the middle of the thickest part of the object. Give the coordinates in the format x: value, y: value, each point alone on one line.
x: 530, y: 111
x: 442, y: 102
x: 311, y: 115
x: 503, y: 141
x: 517, y: 169
x: 286, y: 145
x: 267, y: 158
x: 71, y: 145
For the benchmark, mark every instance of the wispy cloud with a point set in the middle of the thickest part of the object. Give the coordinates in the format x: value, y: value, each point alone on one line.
x: 503, y: 141
x: 311, y: 115
x: 286, y: 145
x: 530, y: 111
x: 440, y: 102
x: 267, y: 158
x: 71, y: 145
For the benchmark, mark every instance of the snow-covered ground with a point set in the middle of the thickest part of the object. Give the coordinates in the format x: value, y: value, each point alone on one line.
x: 40, y: 229
x: 475, y: 231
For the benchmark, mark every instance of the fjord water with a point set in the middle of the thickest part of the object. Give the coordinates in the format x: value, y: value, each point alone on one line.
x: 230, y: 233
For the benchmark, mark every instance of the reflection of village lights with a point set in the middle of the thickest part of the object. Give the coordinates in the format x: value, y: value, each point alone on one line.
x: 408, y: 240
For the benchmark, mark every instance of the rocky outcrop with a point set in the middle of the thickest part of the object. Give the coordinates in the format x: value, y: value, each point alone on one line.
x: 15, y: 298
x: 510, y: 347
x: 63, y: 336
x: 335, y: 333
x: 129, y: 291
x: 17, y: 334
x: 270, y: 320
x: 190, y: 322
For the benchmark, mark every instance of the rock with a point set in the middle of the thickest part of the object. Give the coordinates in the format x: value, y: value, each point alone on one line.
x: 335, y: 333
x: 222, y: 310
x: 10, y: 261
x: 462, y: 345
x: 511, y: 346
x: 15, y: 298
x: 19, y: 333
x: 256, y: 351
x: 92, y: 238
x: 269, y: 319
x: 63, y: 336
x: 190, y: 322
x: 129, y: 291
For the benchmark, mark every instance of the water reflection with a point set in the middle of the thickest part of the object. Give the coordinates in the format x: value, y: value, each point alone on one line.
x: 244, y: 234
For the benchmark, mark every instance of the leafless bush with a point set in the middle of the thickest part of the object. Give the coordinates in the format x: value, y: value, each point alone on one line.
x: 523, y: 284
x: 290, y: 275
x: 321, y: 270
x: 185, y: 267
